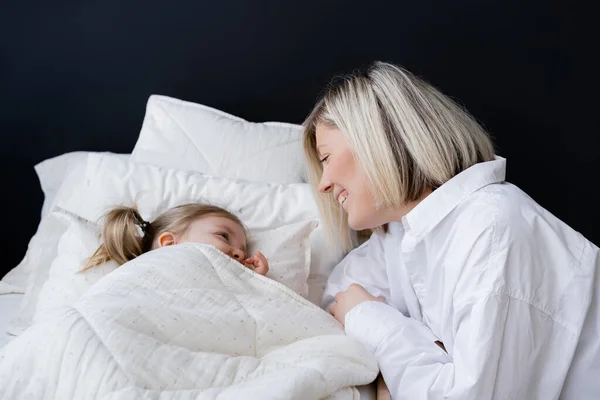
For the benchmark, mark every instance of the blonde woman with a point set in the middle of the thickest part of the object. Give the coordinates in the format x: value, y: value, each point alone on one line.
x: 467, y: 289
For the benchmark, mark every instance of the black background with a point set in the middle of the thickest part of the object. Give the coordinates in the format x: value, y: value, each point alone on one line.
x: 75, y: 75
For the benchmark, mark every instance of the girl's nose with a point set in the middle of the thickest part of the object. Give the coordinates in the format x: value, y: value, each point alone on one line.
x: 237, y: 254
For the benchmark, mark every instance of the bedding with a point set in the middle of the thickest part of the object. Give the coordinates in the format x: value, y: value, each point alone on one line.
x: 182, y: 322
x: 170, y: 126
x: 52, y: 174
x: 184, y: 135
x: 9, y: 303
x: 107, y: 180
x: 286, y: 245
x: 265, y: 209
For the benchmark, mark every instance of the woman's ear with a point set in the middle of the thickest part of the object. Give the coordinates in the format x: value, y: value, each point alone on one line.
x: 167, y: 239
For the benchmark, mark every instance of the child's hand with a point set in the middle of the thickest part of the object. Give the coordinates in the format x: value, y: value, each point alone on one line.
x: 258, y: 263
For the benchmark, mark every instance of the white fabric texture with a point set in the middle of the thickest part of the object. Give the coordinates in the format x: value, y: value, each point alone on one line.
x: 52, y: 173
x: 65, y: 282
x: 9, y: 304
x: 110, y: 181
x: 43, y: 249
x: 183, y: 135
x: 280, y: 219
x: 510, y: 290
x: 186, y: 322
x: 286, y: 244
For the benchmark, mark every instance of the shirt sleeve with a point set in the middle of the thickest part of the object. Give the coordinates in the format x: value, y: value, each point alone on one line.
x: 503, y: 348
x: 364, y: 265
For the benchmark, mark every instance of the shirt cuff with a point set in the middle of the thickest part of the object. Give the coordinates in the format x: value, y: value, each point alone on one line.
x: 371, y: 322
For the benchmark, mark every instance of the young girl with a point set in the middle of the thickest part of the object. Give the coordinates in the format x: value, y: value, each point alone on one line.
x: 126, y: 235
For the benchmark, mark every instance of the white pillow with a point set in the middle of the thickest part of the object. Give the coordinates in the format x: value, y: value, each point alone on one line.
x: 287, y: 245
x: 110, y: 181
x: 182, y: 135
x: 53, y: 171
x: 42, y: 246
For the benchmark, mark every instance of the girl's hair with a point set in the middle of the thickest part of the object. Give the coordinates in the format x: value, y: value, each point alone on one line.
x: 126, y: 235
x: 406, y: 135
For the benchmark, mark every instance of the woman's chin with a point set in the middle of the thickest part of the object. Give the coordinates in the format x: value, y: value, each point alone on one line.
x: 357, y: 224
x: 364, y: 222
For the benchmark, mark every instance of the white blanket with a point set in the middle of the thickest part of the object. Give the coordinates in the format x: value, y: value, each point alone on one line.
x: 185, y: 322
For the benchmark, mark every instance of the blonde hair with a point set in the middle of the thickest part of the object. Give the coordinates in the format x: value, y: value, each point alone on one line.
x: 406, y: 135
x: 126, y: 235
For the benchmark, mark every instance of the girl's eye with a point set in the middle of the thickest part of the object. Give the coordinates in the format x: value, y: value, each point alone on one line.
x: 224, y: 235
x: 324, y: 159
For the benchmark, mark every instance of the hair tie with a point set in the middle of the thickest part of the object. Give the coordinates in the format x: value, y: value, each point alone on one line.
x: 145, y: 225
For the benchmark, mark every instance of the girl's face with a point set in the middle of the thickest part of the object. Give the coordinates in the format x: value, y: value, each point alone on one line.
x: 221, y: 232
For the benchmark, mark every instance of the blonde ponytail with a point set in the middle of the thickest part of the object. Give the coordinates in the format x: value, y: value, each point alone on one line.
x: 123, y: 238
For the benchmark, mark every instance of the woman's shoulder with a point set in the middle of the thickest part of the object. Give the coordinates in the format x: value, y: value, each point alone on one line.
x: 526, y: 252
x: 508, y: 217
x: 515, y: 220
x: 501, y: 205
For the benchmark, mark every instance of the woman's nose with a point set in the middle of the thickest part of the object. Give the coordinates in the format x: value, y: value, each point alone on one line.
x: 237, y: 254
x: 325, y: 186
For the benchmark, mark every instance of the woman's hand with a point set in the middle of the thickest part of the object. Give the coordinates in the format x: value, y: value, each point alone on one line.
x: 383, y: 393
x: 258, y: 263
x: 347, y: 300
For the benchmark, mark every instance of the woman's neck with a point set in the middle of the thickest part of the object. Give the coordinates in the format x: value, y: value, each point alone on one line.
x: 400, y: 212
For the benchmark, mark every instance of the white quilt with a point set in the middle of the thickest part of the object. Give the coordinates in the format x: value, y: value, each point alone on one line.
x: 185, y: 322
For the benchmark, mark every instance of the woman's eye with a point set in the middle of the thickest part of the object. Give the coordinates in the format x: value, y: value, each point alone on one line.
x: 324, y: 159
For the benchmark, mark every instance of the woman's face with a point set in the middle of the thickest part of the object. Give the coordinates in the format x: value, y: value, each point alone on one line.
x: 346, y: 181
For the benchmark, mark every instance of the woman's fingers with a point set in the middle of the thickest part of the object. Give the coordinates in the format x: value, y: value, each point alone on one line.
x: 332, y: 309
x: 382, y: 389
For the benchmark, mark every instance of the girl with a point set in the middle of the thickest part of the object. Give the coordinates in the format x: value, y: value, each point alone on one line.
x: 126, y: 235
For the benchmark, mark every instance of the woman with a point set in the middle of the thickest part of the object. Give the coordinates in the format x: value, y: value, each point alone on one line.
x: 467, y: 289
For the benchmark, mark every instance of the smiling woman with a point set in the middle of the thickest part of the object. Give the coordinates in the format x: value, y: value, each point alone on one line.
x: 348, y: 183
x: 467, y: 289
x: 406, y: 137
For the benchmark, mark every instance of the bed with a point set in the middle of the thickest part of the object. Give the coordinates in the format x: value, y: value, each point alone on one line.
x: 186, y: 152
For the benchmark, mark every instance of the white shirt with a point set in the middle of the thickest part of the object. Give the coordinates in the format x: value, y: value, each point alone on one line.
x: 511, y: 291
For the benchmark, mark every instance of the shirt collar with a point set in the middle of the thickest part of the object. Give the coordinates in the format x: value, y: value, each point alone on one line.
x: 431, y: 210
